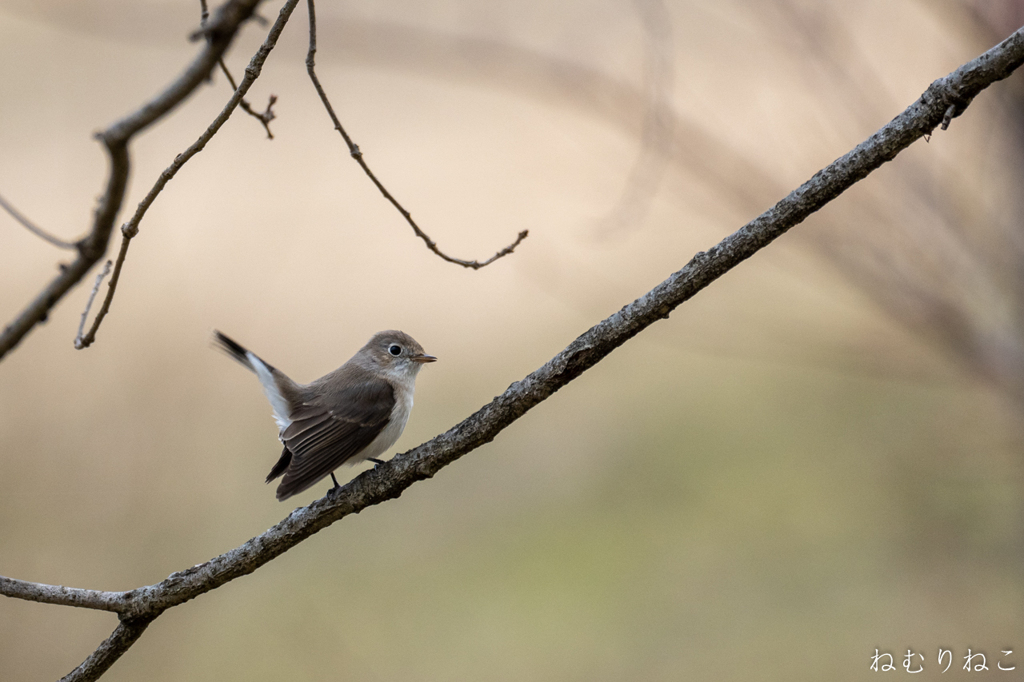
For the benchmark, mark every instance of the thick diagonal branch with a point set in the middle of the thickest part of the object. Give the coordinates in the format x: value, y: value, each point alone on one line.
x: 91, y: 248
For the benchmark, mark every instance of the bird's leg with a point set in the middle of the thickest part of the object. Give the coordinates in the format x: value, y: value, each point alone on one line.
x: 335, y: 480
x: 376, y: 462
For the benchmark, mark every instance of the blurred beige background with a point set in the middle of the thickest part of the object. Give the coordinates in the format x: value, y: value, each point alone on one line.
x: 816, y: 457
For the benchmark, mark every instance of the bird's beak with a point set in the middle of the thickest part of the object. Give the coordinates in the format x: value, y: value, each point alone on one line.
x: 424, y: 358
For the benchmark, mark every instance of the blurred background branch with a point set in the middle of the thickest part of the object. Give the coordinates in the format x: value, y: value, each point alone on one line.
x: 652, y: 157
x: 891, y: 252
x: 933, y: 253
x: 34, y: 229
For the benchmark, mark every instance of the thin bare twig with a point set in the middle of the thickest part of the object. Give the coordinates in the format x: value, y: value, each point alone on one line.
x: 356, y: 154
x: 220, y: 32
x: 138, y: 607
x: 86, y: 340
x: 266, y: 116
x: 34, y: 229
x: 88, y: 305
x: 131, y: 228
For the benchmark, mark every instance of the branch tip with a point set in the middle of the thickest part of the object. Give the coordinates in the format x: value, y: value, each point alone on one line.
x: 80, y: 342
x: 357, y: 154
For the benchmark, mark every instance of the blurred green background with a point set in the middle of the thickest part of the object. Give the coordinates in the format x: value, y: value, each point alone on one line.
x: 816, y: 457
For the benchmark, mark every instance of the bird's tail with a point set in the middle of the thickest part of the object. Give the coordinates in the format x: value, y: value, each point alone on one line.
x: 236, y: 351
x: 276, y: 385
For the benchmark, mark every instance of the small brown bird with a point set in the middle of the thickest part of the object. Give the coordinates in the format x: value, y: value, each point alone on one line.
x: 353, y: 414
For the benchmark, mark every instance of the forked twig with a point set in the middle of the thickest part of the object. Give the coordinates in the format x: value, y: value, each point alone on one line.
x: 131, y: 228
x: 91, y: 248
x: 354, y: 151
x: 266, y: 116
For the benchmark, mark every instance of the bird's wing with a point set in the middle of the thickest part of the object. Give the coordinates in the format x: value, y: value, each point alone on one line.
x: 322, y: 438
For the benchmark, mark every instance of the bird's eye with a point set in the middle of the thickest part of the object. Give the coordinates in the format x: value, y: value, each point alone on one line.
x: 395, y: 350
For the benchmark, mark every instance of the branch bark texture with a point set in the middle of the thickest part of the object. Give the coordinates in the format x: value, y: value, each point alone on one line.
x: 946, y: 97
